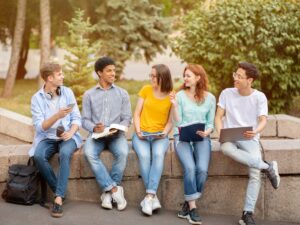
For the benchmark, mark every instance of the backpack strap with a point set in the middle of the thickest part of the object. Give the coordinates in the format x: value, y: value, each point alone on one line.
x: 42, y: 201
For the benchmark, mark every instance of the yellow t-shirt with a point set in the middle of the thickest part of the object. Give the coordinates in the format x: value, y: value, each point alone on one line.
x: 155, y: 112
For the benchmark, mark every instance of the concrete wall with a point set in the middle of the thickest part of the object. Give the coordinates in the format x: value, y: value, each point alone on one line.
x: 225, y: 189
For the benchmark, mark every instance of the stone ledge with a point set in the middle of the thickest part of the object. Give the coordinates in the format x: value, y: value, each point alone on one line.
x: 226, y: 184
x: 286, y: 152
x: 12, y: 123
x: 288, y: 126
x: 16, y: 125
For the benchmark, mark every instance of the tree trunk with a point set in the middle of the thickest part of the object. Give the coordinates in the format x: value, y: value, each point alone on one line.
x: 45, y: 34
x: 21, y: 72
x: 16, y: 49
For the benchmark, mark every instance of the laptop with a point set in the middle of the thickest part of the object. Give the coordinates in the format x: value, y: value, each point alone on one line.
x: 233, y: 134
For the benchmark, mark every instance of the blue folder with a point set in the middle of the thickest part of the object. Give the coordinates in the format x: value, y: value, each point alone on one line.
x: 188, y: 132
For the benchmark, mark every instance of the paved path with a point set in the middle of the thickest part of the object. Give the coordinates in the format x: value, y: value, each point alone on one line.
x: 85, y: 213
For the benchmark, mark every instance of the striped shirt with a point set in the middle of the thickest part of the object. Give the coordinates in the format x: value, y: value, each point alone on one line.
x: 106, y: 107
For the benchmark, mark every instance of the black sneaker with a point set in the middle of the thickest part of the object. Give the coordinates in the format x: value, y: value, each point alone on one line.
x: 56, y: 210
x: 247, y: 219
x: 273, y: 174
x: 194, y: 217
x: 184, y: 212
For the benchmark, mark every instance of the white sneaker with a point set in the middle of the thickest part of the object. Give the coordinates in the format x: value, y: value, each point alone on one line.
x: 118, y: 197
x: 106, y: 200
x: 147, y: 206
x: 155, y: 203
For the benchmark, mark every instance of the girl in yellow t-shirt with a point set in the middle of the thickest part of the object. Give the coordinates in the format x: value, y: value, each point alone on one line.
x: 152, y: 123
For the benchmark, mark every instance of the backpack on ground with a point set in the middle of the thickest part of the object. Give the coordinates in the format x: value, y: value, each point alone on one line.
x: 23, y: 184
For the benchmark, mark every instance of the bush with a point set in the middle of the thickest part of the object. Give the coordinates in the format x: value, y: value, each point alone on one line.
x: 263, y: 32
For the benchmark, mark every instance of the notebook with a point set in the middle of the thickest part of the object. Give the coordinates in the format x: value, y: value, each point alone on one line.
x: 233, y: 134
x: 188, y: 132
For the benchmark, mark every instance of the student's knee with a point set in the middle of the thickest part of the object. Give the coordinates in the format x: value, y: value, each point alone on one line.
x: 226, y: 148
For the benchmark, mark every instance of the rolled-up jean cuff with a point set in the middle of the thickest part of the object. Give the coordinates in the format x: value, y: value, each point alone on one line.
x: 108, y: 188
x: 148, y: 191
x: 192, y: 197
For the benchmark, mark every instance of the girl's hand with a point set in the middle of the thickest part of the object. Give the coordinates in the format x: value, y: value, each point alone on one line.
x: 202, y: 133
x: 140, y: 136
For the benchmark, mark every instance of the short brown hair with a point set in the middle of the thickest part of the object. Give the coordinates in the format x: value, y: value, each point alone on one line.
x: 164, y: 78
x: 48, y: 69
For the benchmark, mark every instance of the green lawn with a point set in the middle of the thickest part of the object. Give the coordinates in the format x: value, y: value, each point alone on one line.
x: 24, y: 89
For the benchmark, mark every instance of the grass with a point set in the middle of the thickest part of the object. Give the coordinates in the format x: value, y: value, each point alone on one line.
x: 24, y: 89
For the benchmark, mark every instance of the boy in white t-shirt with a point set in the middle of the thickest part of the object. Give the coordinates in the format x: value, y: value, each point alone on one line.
x: 239, y: 107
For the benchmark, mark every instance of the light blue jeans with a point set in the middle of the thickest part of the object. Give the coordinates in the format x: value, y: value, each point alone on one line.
x: 194, y: 158
x: 44, y: 152
x: 151, y: 154
x: 248, y: 153
x: 118, y: 146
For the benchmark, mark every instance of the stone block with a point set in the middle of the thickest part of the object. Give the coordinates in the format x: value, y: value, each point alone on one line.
x: 288, y: 126
x: 4, y: 162
x: 286, y: 152
x: 2, y: 187
x: 88, y: 190
x: 222, y: 195
x: 83, y: 190
x: 12, y: 123
x: 283, y: 204
x: 271, y: 127
x: 18, y: 154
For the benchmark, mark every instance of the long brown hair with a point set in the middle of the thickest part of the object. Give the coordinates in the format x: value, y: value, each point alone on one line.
x: 202, y: 84
x: 164, y: 78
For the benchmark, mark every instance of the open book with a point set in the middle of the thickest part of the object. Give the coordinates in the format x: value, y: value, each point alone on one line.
x: 188, y: 132
x: 113, y: 128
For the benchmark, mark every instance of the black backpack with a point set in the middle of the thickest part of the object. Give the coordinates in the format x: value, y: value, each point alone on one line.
x: 23, y: 185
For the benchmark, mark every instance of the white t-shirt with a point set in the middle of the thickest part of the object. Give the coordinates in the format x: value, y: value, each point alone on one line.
x: 241, y: 111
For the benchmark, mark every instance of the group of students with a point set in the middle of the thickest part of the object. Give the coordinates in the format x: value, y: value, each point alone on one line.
x: 159, y: 109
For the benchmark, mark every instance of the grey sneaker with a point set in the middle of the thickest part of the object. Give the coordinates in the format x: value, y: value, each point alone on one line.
x: 247, y: 219
x: 118, y: 197
x: 184, y: 212
x: 194, y: 217
x: 273, y: 174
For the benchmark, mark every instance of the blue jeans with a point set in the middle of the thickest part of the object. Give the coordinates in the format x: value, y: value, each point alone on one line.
x: 151, y: 155
x: 118, y: 146
x: 44, y: 152
x: 248, y: 153
x: 194, y: 158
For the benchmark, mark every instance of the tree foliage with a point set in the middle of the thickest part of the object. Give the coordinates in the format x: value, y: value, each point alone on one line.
x: 78, y: 67
x: 264, y: 32
x: 129, y: 28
